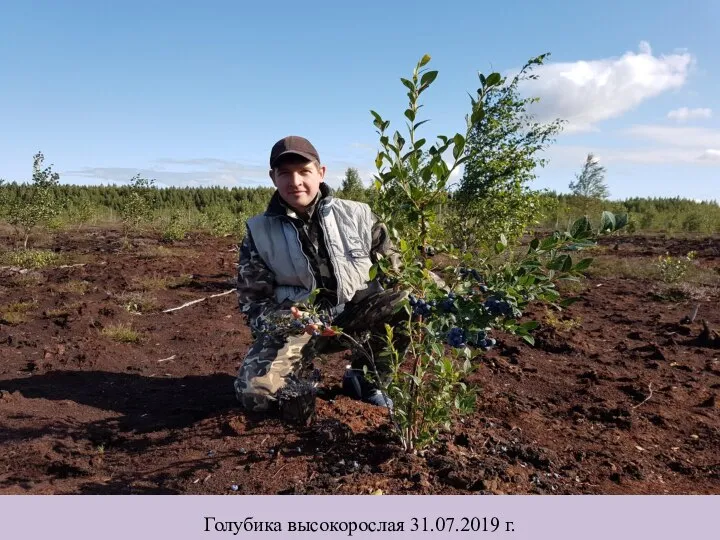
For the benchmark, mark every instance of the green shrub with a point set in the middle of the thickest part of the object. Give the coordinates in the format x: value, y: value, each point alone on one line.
x: 674, y: 269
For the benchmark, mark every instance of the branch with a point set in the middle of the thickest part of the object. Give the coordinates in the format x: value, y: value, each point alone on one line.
x: 186, y: 304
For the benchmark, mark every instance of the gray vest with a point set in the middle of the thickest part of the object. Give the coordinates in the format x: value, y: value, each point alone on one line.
x: 347, y: 230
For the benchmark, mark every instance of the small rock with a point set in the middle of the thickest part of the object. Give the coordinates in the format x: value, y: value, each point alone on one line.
x: 234, y: 487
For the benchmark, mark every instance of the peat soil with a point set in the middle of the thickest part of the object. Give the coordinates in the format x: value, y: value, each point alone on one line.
x: 619, y: 396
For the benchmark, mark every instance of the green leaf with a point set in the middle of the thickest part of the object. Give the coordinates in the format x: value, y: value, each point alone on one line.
x: 567, y: 265
x: 607, y: 222
x: 420, y: 124
x: 547, y: 243
x: 373, y: 272
x: 580, y: 228
x: 478, y: 114
x: 621, y: 220
x: 408, y: 84
x: 582, y: 265
x: 557, y: 263
x: 428, y: 78
x: 569, y: 302
x: 312, y: 296
x: 529, y: 325
x: 379, y: 160
x: 410, y: 114
x: 459, y: 141
x: 493, y: 79
x: 529, y: 339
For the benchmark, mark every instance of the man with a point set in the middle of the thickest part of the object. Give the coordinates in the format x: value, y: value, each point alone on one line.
x: 307, y: 240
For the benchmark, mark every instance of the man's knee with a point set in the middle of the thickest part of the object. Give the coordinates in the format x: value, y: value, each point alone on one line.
x: 261, y: 377
x: 252, y: 397
x: 255, y: 402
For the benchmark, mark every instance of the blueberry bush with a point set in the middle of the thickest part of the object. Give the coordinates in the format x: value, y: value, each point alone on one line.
x: 453, y: 310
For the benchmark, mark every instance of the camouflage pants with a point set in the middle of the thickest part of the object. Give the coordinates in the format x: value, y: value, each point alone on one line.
x: 274, y: 358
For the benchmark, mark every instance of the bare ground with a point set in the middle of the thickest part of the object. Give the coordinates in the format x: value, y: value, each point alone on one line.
x: 617, y: 397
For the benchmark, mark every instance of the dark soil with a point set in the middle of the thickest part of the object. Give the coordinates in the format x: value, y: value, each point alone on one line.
x: 622, y: 399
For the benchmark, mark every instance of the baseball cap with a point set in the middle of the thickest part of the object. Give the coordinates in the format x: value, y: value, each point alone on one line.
x: 293, y: 144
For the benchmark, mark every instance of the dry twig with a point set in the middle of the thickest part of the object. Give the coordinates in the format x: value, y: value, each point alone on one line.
x: 186, y: 304
x: 646, y: 399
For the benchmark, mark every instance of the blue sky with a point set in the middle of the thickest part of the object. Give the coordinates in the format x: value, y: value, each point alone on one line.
x: 196, y: 93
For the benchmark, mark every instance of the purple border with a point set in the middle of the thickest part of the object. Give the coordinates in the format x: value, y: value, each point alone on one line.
x: 183, y: 517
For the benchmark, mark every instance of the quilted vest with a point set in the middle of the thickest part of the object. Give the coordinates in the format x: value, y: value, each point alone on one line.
x: 347, y: 231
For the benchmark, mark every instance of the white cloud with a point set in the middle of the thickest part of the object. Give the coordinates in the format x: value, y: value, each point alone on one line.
x: 574, y: 156
x: 686, y: 137
x: 710, y: 154
x: 652, y: 144
x: 683, y: 114
x: 210, y: 172
x: 205, y: 172
x: 587, y: 92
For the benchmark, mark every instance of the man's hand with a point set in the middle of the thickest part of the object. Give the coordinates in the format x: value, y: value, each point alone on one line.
x: 311, y: 328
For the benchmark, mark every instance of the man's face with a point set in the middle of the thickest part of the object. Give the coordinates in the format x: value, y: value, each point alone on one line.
x: 298, y: 181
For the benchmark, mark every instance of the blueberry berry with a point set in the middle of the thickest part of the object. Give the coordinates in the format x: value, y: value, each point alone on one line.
x: 496, y: 306
x: 456, y: 337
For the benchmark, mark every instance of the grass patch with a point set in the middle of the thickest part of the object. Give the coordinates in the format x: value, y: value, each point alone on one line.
x: 122, y: 333
x: 647, y: 268
x: 678, y: 292
x: 570, y: 288
x: 561, y: 324
x: 31, y: 279
x: 138, y: 302
x: 57, y: 312
x: 16, y: 313
x: 74, y: 286
x: 156, y: 283
x: 30, y: 258
x: 635, y: 268
x: 700, y: 275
